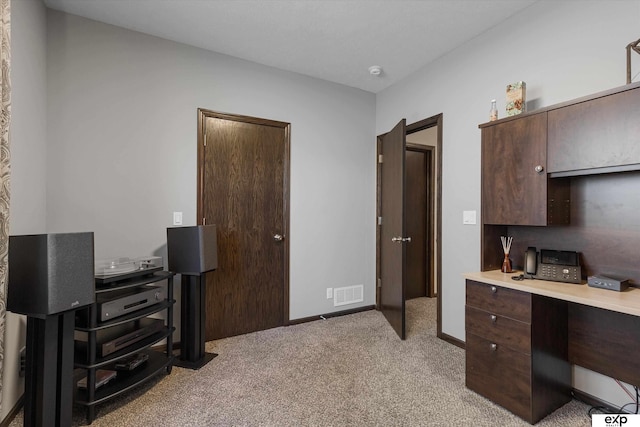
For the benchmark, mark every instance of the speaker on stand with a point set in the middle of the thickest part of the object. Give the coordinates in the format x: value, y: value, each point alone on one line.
x: 192, y: 251
x: 50, y: 276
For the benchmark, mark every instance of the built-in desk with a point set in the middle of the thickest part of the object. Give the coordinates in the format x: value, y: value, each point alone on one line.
x: 522, y: 337
x: 627, y: 302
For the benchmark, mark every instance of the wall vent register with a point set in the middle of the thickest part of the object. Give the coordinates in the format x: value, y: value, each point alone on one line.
x: 348, y: 295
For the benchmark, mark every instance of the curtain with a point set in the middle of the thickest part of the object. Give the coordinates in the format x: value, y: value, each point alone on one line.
x: 5, y: 118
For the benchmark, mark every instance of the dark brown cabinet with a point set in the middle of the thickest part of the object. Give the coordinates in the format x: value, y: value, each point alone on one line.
x: 515, y: 187
x: 596, y: 135
x: 517, y: 363
x: 520, y: 346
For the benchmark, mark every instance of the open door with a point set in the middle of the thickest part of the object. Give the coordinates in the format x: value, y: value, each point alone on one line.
x: 392, y: 237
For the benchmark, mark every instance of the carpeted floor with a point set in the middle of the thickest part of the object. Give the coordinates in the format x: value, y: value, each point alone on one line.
x: 345, y: 371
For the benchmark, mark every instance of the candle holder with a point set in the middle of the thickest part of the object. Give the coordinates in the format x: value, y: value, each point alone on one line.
x: 506, y: 247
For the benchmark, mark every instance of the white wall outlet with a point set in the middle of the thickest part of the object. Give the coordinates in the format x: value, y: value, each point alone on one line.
x: 469, y: 217
x: 329, y: 293
x: 177, y: 218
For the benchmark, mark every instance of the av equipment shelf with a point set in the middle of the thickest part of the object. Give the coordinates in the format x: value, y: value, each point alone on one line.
x: 92, y: 334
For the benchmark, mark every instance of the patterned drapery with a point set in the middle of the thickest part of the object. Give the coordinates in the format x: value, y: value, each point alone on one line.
x: 5, y: 118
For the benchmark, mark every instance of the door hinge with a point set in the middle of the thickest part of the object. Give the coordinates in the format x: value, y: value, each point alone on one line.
x: 379, y: 220
x: 379, y: 283
x: 379, y: 158
x: 204, y: 221
x: 205, y: 139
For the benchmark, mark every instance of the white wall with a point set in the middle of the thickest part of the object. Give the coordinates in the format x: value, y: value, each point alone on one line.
x: 104, y: 140
x: 122, y: 150
x: 28, y: 161
x: 562, y: 50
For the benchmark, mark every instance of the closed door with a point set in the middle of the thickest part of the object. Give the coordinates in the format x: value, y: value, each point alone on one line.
x: 244, y: 190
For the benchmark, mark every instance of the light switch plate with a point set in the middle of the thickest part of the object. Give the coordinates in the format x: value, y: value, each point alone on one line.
x: 177, y: 218
x: 469, y: 217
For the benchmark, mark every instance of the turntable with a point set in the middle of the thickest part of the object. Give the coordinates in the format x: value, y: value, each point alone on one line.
x: 110, y: 270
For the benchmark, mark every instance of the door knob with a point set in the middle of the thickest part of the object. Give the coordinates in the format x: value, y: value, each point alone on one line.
x: 278, y: 237
x: 538, y: 168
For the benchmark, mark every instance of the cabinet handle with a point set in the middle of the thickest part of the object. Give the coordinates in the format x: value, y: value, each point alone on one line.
x: 494, y: 289
x: 493, y: 346
x: 494, y: 318
x: 539, y: 168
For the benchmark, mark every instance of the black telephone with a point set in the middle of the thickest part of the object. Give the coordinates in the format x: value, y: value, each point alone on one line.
x: 557, y: 266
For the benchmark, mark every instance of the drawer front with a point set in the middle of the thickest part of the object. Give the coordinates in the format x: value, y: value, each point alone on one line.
x: 501, y: 375
x: 498, y: 329
x: 498, y: 300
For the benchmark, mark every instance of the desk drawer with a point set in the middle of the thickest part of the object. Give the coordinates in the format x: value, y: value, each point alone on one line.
x: 498, y: 300
x: 499, y: 329
x: 501, y: 375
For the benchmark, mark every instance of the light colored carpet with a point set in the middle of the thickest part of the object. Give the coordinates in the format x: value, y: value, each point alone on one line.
x: 345, y: 371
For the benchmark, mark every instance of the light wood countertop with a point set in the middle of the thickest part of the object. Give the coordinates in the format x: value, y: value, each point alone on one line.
x: 622, y: 302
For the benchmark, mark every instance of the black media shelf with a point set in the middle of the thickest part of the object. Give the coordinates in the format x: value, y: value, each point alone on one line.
x: 87, y: 359
x: 139, y: 314
x: 101, y: 362
x: 142, y: 277
x: 125, y: 381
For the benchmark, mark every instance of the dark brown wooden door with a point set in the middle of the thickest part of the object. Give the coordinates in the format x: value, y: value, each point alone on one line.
x: 416, y: 223
x: 243, y: 189
x: 393, y: 264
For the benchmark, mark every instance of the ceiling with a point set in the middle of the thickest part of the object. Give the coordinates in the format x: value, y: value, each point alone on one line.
x: 334, y: 40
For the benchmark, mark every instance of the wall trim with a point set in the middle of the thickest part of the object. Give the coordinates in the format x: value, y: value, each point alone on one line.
x: 595, y: 401
x: 451, y: 340
x: 14, y: 411
x: 328, y: 315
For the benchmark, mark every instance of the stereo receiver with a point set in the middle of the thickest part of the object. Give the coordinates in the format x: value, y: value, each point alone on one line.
x: 118, y: 303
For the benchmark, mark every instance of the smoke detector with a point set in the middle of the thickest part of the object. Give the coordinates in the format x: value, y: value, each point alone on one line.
x: 375, y: 70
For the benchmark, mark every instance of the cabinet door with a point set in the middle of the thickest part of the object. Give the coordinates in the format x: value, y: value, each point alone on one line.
x: 513, y: 190
x: 599, y: 133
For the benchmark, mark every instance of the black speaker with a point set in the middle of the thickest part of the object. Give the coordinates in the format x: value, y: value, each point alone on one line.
x: 50, y: 273
x: 192, y: 250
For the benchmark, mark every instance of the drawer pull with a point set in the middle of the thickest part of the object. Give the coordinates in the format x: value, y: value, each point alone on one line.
x: 493, y: 346
x: 494, y: 289
x: 493, y: 318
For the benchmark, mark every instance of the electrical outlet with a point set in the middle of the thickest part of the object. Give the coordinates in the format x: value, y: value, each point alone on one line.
x: 329, y: 293
x: 23, y: 362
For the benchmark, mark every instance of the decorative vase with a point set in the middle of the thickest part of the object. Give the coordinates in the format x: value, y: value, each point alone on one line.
x: 506, y: 264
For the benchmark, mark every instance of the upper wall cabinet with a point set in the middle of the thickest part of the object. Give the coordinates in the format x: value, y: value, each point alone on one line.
x: 515, y: 186
x: 597, y: 135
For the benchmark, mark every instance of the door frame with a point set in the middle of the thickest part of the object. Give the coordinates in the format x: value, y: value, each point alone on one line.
x: 203, y: 114
x: 436, y: 197
x: 428, y: 151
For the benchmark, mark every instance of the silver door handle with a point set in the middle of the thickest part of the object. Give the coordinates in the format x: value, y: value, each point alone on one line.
x: 401, y: 239
x: 278, y: 237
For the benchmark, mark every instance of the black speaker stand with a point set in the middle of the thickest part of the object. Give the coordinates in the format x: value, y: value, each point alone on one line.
x: 49, y: 374
x: 192, y: 326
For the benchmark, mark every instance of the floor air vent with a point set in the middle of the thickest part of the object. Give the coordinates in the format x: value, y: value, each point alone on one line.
x: 348, y: 295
